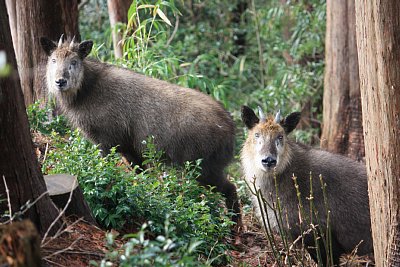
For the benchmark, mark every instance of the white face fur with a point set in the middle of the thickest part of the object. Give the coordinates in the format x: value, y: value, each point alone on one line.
x: 65, y: 67
x: 64, y: 71
x: 266, y: 147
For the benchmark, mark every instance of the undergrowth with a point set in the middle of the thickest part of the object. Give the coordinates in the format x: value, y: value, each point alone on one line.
x: 123, y: 197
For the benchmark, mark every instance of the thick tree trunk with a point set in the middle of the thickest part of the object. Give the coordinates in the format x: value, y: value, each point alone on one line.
x: 342, y: 116
x: 33, y: 19
x: 118, y: 13
x: 378, y: 41
x: 18, y: 163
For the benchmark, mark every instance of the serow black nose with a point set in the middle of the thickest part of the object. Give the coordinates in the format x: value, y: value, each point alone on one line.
x: 269, y: 162
x: 61, y: 82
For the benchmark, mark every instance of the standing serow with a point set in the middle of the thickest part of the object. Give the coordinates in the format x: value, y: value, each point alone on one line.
x: 268, y: 155
x: 114, y: 106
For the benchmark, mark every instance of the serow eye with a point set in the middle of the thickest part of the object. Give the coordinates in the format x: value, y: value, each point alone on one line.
x: 53, y: 60
x: 280, y: 137
x: 73, y: 62
x: 256, y: 135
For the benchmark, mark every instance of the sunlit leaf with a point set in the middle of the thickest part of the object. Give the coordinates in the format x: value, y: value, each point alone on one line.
x: 163, y: 17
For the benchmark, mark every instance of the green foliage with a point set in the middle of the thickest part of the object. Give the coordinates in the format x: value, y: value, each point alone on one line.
x: 39, y: 120
x: 162, y: 251
x: 94, y: 24
x: 123, y: 199
x: 146, y: 48
x: 292, y: 36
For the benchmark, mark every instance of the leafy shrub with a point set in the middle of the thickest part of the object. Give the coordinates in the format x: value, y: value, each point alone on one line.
x: 162, y: 251
x: 120, y: 198
x: 39, y: 120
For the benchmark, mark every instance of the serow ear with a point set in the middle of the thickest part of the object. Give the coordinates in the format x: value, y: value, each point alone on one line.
x: 291, y: 121
x: 48, y: 45
x: 249, y: 118
x: 84, y: 49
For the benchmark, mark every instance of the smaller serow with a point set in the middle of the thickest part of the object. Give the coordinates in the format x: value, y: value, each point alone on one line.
x: 116, y: 107
x: 269, y: 153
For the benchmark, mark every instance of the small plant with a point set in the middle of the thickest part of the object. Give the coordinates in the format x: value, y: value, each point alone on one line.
x: 162, y: 251
x: 39, y: 120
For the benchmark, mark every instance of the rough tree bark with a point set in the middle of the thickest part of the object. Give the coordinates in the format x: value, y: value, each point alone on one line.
x: 378, y: 41
x: 118, y: 13
x: 18, y: 163
x: 31, y: 19
x: 342, y: 130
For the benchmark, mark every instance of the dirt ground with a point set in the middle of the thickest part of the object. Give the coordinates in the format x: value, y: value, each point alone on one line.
x: 80, y: 243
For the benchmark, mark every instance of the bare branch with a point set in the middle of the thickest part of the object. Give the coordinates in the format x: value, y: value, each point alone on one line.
x: 8, y: 198
x: 174, y: 32
x: 70, y: 247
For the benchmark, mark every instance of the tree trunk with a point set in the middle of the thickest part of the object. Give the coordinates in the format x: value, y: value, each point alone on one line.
x: 342, y: 130
x: 33, y: 19
x: 18, y: 163
x: 378, y: 41
x: 118, y: 13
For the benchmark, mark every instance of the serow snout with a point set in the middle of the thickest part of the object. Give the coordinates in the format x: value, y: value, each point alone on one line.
x: 61, y: 83
x: 268, y: 162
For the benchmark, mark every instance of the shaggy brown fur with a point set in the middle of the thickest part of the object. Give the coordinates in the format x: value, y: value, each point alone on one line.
x: 268, y: 152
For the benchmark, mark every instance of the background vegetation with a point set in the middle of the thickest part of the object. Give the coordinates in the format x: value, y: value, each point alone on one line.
x: 267, y: 53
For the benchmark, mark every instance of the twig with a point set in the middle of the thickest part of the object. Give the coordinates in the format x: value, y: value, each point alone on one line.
x: 63, y: 250
x: 54, y: 263
x: 61, y: 213
x: 85, y: 253
x: 60, y: 232
x: 27, y: 207
x: 45, y: 152
x: 8, y: 198
x: 174, y: 32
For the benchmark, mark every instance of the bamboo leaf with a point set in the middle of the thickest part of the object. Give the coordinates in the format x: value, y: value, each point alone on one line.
x: 163, y: 17
x: 146, y: 6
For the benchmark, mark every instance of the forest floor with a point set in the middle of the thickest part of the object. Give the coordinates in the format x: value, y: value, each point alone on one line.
x: 80, y: 242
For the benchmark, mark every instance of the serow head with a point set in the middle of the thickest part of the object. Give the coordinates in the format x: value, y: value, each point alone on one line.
x: 267, y: 138
x: 64, y: 73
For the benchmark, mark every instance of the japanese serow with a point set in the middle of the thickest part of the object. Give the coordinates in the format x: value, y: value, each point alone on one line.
x: 114, y: 106
x: 269, y: 155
